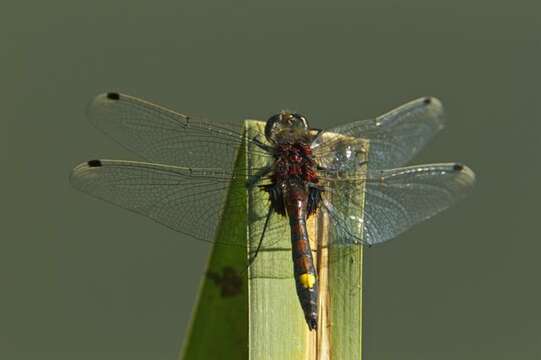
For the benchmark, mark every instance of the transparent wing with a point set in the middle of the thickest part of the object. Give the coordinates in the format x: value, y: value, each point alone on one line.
x: 188, y: 200
x: 394, y: 200
x: 164, y: 136
x: 394, y: 138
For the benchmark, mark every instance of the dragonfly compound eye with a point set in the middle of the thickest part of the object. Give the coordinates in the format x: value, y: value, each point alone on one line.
x: 284, y: 122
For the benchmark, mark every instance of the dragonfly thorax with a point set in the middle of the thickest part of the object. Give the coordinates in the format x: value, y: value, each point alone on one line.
x: 294, y: 160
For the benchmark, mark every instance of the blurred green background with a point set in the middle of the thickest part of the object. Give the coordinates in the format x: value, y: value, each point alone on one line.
x: 85, y: 280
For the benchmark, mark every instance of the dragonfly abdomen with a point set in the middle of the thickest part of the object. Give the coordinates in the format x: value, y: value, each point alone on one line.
x: 303, y: 263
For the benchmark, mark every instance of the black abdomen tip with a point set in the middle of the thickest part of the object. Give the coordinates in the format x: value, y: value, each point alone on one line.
x: 312, y: 323
x: 94, y: 163
x: 113, y: 96
x: 458, y: 167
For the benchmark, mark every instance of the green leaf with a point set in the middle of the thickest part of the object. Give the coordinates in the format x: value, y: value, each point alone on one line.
x: 219, y: 327
x: 263, y: 318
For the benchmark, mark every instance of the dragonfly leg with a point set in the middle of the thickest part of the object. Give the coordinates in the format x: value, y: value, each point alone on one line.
x: 252, y: 258
x: 314, y: 185
x: 260, y: 144
x: 261, y: 173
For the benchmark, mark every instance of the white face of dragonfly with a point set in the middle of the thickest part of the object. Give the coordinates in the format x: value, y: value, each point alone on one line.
x: 286, y: 127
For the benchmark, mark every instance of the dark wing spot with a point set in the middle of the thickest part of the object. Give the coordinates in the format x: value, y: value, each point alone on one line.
x: 113, y: 96
x: 94, y: 163
x: 427, y: 101
x: 458, y: 167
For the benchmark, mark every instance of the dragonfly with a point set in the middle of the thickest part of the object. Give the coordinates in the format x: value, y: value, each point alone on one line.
x: 356, y: 174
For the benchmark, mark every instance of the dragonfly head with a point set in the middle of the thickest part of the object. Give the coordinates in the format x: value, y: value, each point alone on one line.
x: 284, y: 126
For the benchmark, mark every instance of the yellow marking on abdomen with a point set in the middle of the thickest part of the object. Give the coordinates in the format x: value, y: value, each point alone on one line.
x: 307, y: 280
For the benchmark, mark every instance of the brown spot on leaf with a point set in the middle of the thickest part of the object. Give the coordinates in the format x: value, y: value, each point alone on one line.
x: 229, y: 281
